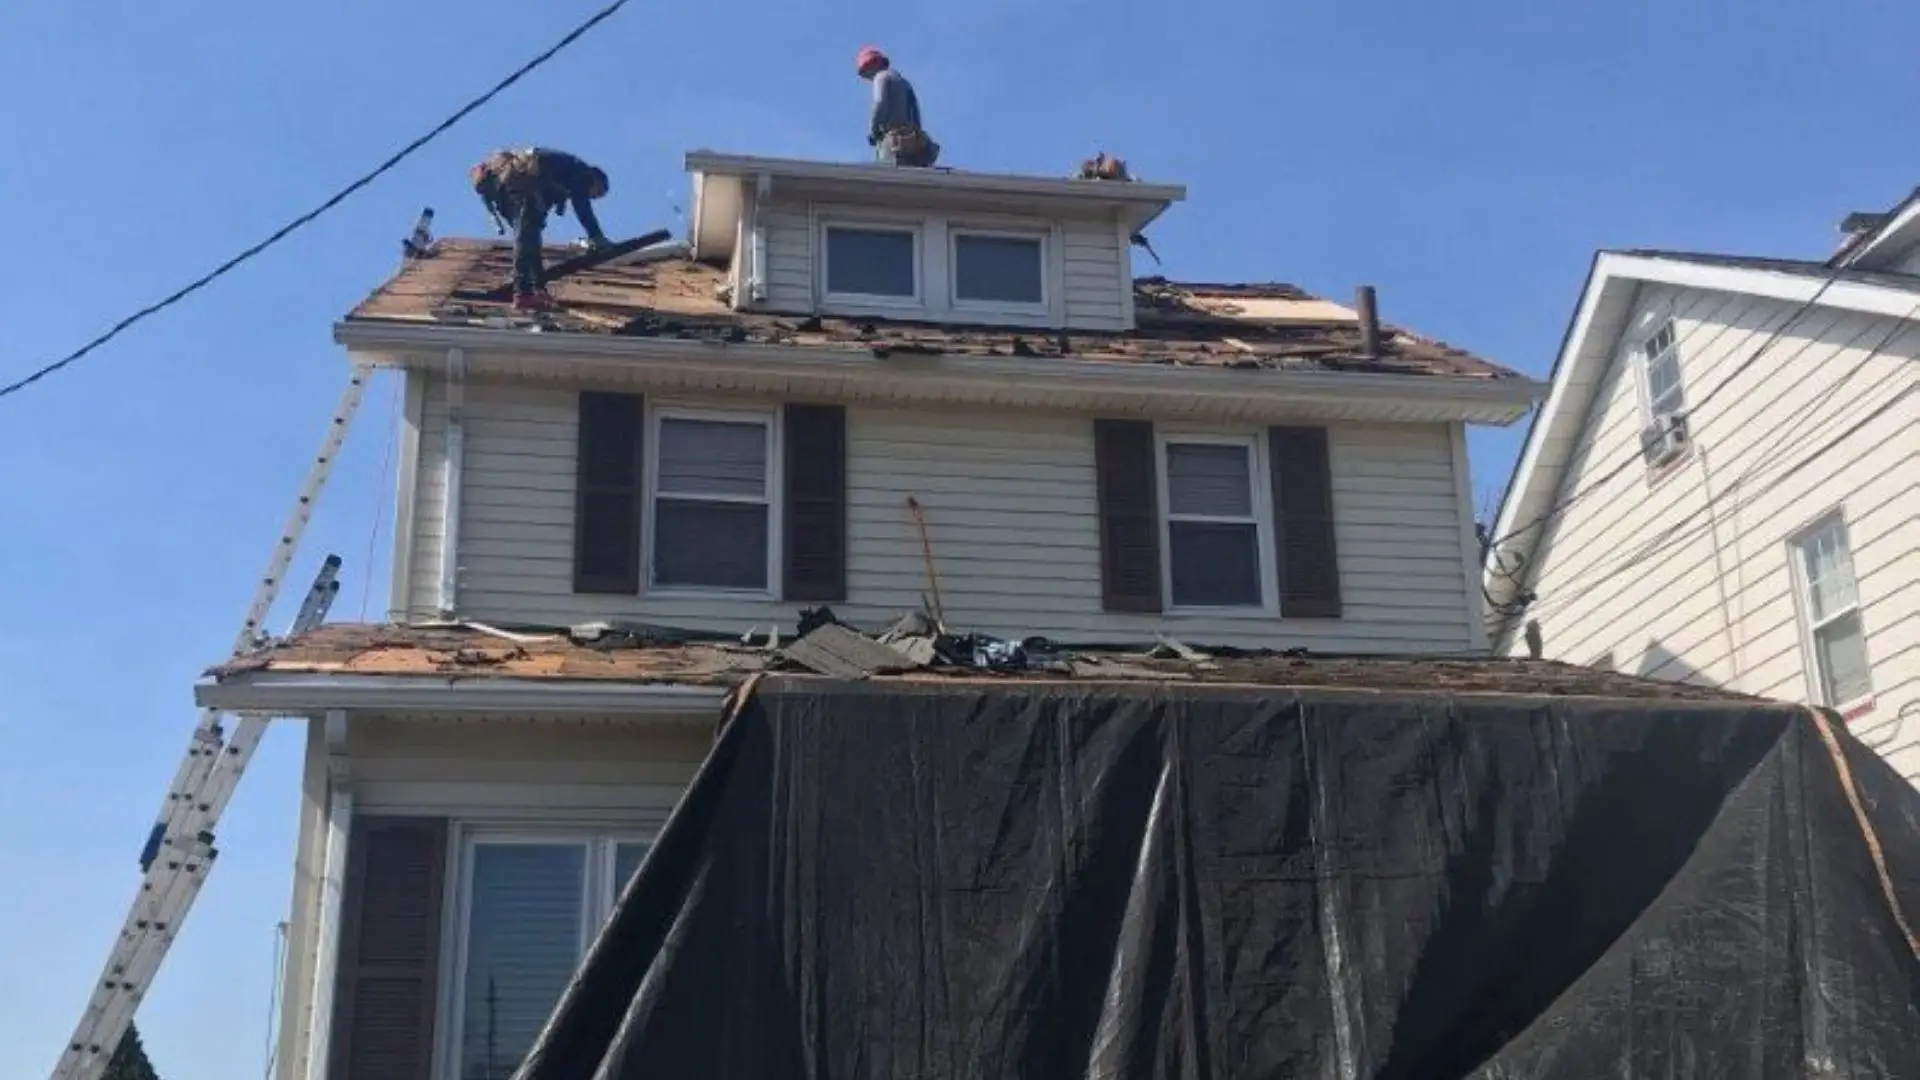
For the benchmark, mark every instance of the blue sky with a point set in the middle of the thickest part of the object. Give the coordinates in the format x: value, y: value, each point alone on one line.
x: 1466, y: 159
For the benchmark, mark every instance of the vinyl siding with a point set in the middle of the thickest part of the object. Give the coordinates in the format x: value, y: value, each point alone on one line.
x: 1686, y: 574
x: 1011, y: 512
x: 1095, y: 268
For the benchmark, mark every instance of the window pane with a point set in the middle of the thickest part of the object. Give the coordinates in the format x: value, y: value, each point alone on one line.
x: 523, y: 940
x: 1214, y: 565
x: 1829, y: 567
x: 1842, y: 651
x: 997, y: 268
x: 718, y: 545
x: 870, y: 262
x: 1208, y: 480
x: 626, y: 860
x: 712, y: 457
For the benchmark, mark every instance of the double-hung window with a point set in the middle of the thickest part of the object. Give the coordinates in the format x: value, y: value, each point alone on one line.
x: 1836, y: 638
x: 530, y: 906
x: 998, y: 270
x: 1659, y: 355
x: 712, y: 500
x: 1214, y: 533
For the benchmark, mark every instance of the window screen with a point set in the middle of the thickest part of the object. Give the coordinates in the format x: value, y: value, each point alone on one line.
x: 1001, y: 269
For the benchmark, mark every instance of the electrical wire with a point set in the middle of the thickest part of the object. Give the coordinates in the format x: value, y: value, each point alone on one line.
x: 1792, y: 320
x: 332, y: 201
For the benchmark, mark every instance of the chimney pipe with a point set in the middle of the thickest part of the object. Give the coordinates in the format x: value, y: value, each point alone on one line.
x: 1369, y: 321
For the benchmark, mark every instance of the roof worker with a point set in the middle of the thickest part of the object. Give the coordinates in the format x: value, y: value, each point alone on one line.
x: 520, y: 186
x: 893, y: 129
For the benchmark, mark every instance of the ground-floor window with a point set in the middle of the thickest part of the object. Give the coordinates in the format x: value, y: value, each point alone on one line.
x: 530, y: 904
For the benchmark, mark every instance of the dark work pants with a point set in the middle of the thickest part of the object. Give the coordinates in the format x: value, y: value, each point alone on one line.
x: 528, y: 229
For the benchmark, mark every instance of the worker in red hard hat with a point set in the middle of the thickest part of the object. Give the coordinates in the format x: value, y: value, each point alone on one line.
x: 894, y: 129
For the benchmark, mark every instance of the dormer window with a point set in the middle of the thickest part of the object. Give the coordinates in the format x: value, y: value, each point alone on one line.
x: 999, y: 269
x: 871, y: 264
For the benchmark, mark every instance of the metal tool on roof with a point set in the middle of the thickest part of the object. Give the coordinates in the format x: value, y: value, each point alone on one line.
x: 586, y: 261
x: 179, y: 852
x: 419, y: 243
x: 935, y: 608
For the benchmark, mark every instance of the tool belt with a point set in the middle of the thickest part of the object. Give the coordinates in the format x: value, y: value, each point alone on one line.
x: 909, y: 142
x: 509, y: 172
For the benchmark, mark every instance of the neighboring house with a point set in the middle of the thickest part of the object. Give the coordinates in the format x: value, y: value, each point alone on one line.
x: 1721, y: 486
x: 712, y: 438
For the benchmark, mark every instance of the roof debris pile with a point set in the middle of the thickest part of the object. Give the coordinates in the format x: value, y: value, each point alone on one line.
x: 909, y: 649
x: 662, y: 293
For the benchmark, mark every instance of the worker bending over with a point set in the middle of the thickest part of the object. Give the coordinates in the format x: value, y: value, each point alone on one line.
x: 520, y: 186
x: 894, y: 129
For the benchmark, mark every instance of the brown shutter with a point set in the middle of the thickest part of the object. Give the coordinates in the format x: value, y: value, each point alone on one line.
x: 384, y: 998
x: 816, y: 503
x: 609, y: 486
x: 1302, y: 474
x: 1129, y: 515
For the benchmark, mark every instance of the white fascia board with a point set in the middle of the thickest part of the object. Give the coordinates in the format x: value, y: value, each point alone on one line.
x: 1895, y: 235
x: 1581, y: 364
x: 707, y: 162
x: 288, y: 694
x: 915, y: 377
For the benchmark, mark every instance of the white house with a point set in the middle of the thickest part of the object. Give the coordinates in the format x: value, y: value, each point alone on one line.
x: 854, y: 386
x: 1721, y: 485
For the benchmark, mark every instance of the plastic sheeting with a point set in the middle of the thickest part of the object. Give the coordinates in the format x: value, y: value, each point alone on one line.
x: 1026, y: 880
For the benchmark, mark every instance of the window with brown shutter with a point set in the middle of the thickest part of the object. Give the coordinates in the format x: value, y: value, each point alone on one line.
x: 1302, y: 474
x: 1123, y: 453
x: 816, y: 503
x: 608, y: 490
x: 389, y: 960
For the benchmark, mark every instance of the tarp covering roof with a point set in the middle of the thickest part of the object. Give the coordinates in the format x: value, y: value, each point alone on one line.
x: 1030, y: 880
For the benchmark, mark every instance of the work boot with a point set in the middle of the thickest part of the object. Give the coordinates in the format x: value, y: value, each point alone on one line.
x: 533, y: 301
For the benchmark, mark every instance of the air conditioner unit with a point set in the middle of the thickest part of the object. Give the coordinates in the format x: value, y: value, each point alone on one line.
x: 1665, y: 439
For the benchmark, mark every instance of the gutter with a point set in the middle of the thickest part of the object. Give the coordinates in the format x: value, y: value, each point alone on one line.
x: 420, y: 344
x: 290, y: 694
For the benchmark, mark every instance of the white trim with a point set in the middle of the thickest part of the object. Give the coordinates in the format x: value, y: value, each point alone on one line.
x: 1260, y: 516
x: 1605, y: 304
x: 1808, y: 624
x: 454, y: 468
x: 827, y: 298
x: 405, y: 489
x: 1653, y: 322
x: 1896, y: 233
x: 1045, y: 253
x: 288, y: 694
x: 834, y: 372
x: 1469, y: 542
x: 599, y: 892
x: 774, y: 479
x: 1123, y: 236
x: 339, y: 819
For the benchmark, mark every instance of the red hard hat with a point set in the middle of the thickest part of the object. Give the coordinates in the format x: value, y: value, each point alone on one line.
x: 867, y: 57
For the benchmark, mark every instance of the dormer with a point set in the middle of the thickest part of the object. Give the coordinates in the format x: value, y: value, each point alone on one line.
x: 921, y: 245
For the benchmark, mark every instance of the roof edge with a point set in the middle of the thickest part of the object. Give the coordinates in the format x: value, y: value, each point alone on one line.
x: 1610, y: 267
x: 280, y: 694
x: 1471, y: 399
x: 714, y: 163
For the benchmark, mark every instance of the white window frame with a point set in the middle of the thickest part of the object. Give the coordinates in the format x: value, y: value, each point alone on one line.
x: 914, y: 227
x: 1653, y: 324
x: 1260, y: 506
x: 1043, y: 247
x: 770, y: 419
x: 1798, y: 546
x: 599, y: 889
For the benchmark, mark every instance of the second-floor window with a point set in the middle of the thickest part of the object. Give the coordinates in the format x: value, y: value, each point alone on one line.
x: 712, y: 500
x: 1659, y: 356
x: 1830, y: 614
x: 1214, y: 522
x: 998, y: 269
x: 873, y: 264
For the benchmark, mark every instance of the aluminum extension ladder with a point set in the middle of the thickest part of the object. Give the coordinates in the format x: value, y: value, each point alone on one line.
x: 179, y: 852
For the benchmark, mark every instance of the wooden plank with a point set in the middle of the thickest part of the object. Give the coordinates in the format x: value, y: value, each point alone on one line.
x: 584, y: 261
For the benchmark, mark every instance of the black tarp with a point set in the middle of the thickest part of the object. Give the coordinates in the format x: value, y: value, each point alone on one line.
x: 872, y: 880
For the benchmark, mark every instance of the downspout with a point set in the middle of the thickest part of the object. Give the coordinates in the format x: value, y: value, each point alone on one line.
x: 450, y: 509
x: 1728, y: 624
x: 332, y: 885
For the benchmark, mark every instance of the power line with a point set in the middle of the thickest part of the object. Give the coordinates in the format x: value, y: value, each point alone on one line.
x: 336, y: 199
x: 1561, y: 507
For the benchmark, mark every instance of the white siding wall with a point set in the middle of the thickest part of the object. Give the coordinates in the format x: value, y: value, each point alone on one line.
x: 1010, y: 505
x: 1688, y: 576
x: 1096, y: 268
